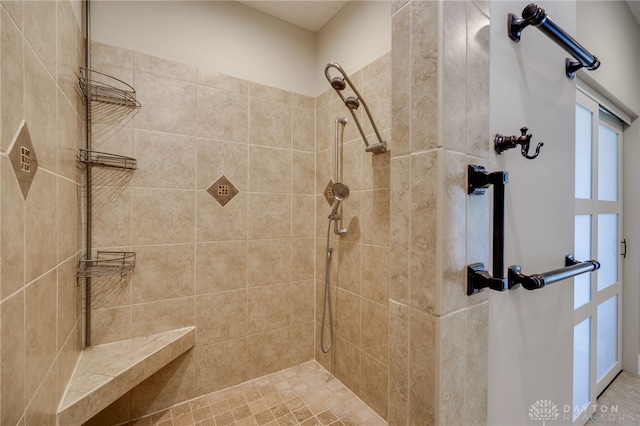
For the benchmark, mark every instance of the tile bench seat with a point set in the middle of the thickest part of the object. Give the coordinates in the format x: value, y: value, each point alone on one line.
x: 106, y: 372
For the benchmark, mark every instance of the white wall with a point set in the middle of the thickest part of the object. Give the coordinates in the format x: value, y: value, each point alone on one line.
x: 355, y: 37
x: 609, y: 31
x: 234, y: 39
x: 227, y: 37
x: 631, y: 286
x: 531, y: 332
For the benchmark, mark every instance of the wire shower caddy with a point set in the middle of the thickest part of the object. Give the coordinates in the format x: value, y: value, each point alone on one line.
x: 101, y: 87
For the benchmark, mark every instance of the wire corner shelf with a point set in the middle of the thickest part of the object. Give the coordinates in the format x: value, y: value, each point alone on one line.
x: 107, y: 263
x: 105, y: 159
x: 101, y: 87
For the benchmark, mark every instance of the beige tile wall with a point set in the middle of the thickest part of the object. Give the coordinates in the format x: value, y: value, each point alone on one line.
x: 40, y: 237
x: 360, y: 269
x: 438, y: 335
x: 243, y: 274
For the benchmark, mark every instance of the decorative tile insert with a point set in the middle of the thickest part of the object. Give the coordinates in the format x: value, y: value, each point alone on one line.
x: 223, y: 190
x: 24, y: 160
x: 328, y: 192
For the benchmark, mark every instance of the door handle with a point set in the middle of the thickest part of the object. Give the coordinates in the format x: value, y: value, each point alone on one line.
x: 624, y: 244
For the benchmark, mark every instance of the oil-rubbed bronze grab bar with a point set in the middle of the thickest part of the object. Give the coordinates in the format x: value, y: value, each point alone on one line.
x: 536, y: 16
x: 478, y: 179
x: 536, y: 281
x: 477, y: 278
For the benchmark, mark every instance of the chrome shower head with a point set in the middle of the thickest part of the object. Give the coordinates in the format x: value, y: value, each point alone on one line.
x: 352, y: 103
x: 338, y: 83
x: 340, y: 191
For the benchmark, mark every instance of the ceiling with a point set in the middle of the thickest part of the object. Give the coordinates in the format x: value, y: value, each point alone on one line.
x: 311, y: 15
x: 634, y: 5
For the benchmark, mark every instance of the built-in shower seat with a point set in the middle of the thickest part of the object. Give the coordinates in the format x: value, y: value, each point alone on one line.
x: 106, y: 372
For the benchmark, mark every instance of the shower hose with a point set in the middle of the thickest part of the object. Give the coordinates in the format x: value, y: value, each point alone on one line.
x: 327, y: 295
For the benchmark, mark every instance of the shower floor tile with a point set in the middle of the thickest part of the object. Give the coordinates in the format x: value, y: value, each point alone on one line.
x: 306, y: 395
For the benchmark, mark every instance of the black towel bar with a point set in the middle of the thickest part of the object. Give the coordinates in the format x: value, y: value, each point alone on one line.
x: 536, y: 16
x: 536, y: 281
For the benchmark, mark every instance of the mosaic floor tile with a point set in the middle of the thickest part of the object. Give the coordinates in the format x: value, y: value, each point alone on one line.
x: 304, y: 395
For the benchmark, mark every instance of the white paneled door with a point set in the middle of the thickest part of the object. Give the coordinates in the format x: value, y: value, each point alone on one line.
x: 598, y: 235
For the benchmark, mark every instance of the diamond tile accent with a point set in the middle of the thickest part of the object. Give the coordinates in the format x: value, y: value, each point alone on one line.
x: 328, y: 192
x: 24, y: 160
x: 223, y: 190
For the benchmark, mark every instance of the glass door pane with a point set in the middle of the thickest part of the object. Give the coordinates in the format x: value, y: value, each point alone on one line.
x: 581, y: 366
x: 607, y: 250
x: 584, y: 138
x: 607, y: 164
x: 607, y: 340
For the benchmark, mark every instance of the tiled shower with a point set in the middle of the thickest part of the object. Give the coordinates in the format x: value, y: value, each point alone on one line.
x: 242, y: 273
x: 250, y: 274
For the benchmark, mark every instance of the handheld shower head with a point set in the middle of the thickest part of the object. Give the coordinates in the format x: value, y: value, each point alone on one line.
x: 338, y: 83
x: 352, y: 103
x: 340, y: 193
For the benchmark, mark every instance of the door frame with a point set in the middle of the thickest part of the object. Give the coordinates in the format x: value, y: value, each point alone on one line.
x: 594, y: 207
x: 631, y: 226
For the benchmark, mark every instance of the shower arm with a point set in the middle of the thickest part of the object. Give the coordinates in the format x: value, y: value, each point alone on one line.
x: 353, y: 114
